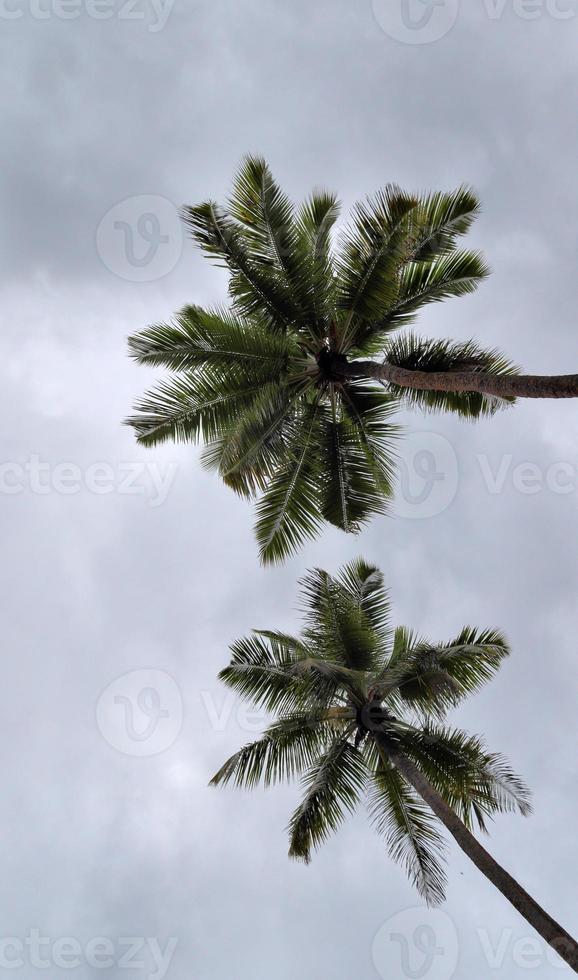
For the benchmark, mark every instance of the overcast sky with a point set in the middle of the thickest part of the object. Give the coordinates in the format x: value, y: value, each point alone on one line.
x: 119, y: 561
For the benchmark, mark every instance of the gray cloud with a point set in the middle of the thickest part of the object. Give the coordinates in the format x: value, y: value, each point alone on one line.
x: 96, y: 585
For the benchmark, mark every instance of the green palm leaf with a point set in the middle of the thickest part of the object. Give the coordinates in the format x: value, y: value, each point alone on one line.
x: 348, y: 495
x: 256, y: 290
x: 286, y: 749
x: 415, y: 354
x: 371, y: 253
x: 456, y: 274
x: 288, y: 512
x: 314, y: 223
x: 477, y: 784
x: 369, y: 411
x: 336, y: 623
x: 333, y: 787
x: 410, y: 832
x: 364, y: 583
x: 343, y: 697
x: 266, y: 216
x: 261, y: 671
x: 304, y: 301
x: 439, y: 219
x: 191, y: 407
x: 205, y: 338
x: 255, y: 442
x: 434, y: 678
x: 281, y: 673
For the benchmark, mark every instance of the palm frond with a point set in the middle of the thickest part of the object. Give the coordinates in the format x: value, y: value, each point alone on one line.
x: 416, y: 354
x: 364, y: 583
x: 190, y: 407
x: 347, y: 680
x: 369, y: 410
x: 254, y: 444
x: 473, y: 657
x: 420, y: 283
x: 439, y: 219
x: 333, y: 787
x: 475, y: 783
x: 348, y: 497
x: 314, y: 223
x: 434, y: 678
x: 336, y: 623
x: 282, y: 673
x: 288, y: 511
x: 410, y: 832
x: 255, y: 289
x: 372, y: 250
x: 287, y: 748
x: 266, y: 215
x: 261, y: 671
x: 213, y: 338
x: 404, y: 640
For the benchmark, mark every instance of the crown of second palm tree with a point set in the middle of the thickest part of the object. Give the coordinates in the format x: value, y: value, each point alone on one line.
x: 349, y: 685
x: 260, y: 382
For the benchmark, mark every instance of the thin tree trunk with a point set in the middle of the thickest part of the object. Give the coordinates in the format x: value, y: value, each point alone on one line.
x: 547, y: 927
x: 502, y: 385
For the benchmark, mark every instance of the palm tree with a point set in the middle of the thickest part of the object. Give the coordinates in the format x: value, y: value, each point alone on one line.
x: 360, y: 711
x: 274, y: 384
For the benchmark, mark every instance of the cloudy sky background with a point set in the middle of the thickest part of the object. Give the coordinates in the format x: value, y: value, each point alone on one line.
x: 96, y: 842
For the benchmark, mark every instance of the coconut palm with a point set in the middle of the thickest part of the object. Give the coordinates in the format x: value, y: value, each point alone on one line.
x: 360, y: 714
x: 274, y: 384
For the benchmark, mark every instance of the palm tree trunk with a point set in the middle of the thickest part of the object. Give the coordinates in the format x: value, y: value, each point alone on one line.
x: 502, y: 385
x: 547, y: 928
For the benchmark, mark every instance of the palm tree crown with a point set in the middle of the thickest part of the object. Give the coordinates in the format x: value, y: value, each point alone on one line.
x: 264, y: 382
x: 351, y: 696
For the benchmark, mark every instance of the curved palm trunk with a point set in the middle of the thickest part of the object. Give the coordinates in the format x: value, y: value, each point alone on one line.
x: 502, y: 385
x: 548, y: 929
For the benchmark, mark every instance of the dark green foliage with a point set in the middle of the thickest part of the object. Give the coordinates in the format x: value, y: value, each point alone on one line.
x: 255, y: 383
x: 343, y: 687
x: 410, y: 831
x: 409, y: 351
